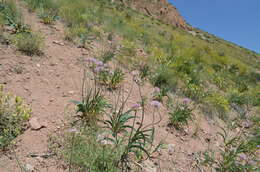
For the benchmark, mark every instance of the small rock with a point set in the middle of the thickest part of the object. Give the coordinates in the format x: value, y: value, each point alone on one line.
x: 34, y: 123
x: 58, y: 43
x: 38, y: 65
x: 29, y: 168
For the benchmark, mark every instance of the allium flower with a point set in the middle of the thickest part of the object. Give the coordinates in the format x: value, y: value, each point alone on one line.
x: 98, y: 69
x: 99, y: 63
x: 157, y: 90
x: 243, y: 157
x: 90, y: 59
x: 246, y: 124
x: 136, y: 106
x: 258, y: 146
x: 186, y: 101
x: 155, y: 104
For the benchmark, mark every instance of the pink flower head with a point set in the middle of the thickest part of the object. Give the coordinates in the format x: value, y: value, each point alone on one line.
x: 247, y: 124
x: 90, y: 59
x: 136, y: 106
x: 155, y: 104
x: 98, y: 69
x: 243, y: 157
x: 99, y: 63
x: 186, y: 101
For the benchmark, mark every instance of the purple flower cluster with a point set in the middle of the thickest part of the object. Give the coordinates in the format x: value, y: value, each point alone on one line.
x: 95, y: 61
x: 155, y: 104
x: 136, y: 106
x: 97, y: 65
x: 186, y: 101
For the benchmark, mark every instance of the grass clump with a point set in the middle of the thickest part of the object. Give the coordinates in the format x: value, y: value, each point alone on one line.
x: 93, y: 104
x: 180, y: 115
x: 10, y: 12
x: 29, y: 43
x: 47, y: 9
x: 115, y: 142
x: 13, y: 116
x: 88, y: 151
x: 217, y: 104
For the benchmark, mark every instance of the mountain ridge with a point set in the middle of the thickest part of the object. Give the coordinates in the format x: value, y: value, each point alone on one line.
x: 158, y: 9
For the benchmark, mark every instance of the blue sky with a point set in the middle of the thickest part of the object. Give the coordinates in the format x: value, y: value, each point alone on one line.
x: 237, y: 21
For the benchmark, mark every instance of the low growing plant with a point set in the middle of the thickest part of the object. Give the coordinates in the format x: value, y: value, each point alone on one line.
x: 93, y: 104
x: 29, y: 43
x: 180, y: 115
x: 237, y: 154
x: 13, y: 116
x: 87, y: 150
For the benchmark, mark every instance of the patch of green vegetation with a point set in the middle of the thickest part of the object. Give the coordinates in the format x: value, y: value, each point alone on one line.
x: 180, y: 114
x: 10, y: 12
x: 86, y: 151
x: 115, y: 141
x: 29, y: 43
x: 47, y: 9
x: 13, y: 116
x: 237, y: 154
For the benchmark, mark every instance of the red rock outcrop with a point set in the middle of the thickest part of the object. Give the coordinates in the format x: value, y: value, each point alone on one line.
x: 159, y: 9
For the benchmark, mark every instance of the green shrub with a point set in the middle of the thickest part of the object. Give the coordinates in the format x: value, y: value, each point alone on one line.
x: 13, y: 116
x: 108, y: 56
x: 238, y: 154
x: 93, y: 105
x: 48, y: 5
x: 159, y: 94
x: 47, y: 18
x: 145, y: 71
x: 10, y: 12
x: 237, y: 98
x: 217, y: 104
x: 116, y: 78
x: 180, y: 115
x: 29, y: 43
x: 88, y: 151
x: 163, y: 78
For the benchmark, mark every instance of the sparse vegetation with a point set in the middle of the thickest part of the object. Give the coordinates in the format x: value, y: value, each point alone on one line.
x: 47, y: 9
x: 180, y: 114
x: 114, y: 143
x: 180, y: 60
x: 108, y: 133
x: 13, y: 116
x: 237, y: 154
x: 29, y: 43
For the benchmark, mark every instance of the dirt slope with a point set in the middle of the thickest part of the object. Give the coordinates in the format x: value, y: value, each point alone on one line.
x: 49, y: 82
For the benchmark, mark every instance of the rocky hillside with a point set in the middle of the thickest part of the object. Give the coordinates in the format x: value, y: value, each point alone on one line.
x: 159, y: 9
